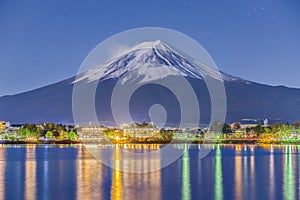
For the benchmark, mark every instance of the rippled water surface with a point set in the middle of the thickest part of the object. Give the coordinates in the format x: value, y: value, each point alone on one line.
x: 228, y: 172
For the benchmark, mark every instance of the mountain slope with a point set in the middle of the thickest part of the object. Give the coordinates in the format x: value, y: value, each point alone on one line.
x: 152, y: 61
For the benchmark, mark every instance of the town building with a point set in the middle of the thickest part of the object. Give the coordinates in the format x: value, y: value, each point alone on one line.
x: 13, y: 128
x: 141, y: 132
x: 2, y: 125
x: 250, y: 123
x: 91, y: 132
x: 266, y: 122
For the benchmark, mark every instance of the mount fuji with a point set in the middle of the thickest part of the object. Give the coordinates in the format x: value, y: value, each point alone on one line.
x: 150, y: 62
x: 154, y: 60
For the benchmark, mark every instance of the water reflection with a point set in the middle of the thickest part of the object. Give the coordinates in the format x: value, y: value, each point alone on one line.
x: 95, y: 181
x: 252, y: 173
x: 30, y: 171
x: 288, y: 180
x: 138, y: 185
x: 218, y: 175
x: 45, y: 166
x: 14, y: 176
x: 91, y: 177
x: 117, y: 185
x: 2, y: 172
x: 271, y: 174
x: 238, y: 174
x: 229, y: 172
x: 245, y: 171
x: 186, y: 188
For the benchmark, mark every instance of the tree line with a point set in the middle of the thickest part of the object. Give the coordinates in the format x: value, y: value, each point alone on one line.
x: 47, y: 130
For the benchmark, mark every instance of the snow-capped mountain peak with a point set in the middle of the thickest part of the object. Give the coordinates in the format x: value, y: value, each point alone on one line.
x: 152, y: 60
x: 149, y: 45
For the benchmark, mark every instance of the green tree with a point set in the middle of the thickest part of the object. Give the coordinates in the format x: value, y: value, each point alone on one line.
x: 38, y: 132
x: 259, y: 129
x: 72, y: 135
x: 49, y: 134
x: 22, y: 132
x: 29, y: 133
x: 267, y: 130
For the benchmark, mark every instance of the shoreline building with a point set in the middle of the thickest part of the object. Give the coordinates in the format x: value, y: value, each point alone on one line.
x: 91, y: 132
x: 2, y: 126
x: 250, y: 123
x: 140, y: 131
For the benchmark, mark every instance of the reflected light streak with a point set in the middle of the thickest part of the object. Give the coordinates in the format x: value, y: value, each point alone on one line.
x: 89, y: 171
x: 30, y: 173
x: 245, y: 174
x: 218, y: 175
x: 186, y: 187
x: 45, y: 175
x: 252, y: 173
x: 79, y: 173
x: 238, y: 176
x: 2, y: 172
x: 271, y: 174
x: 145, y: 185
x: 288, y: 180
x: 117, y: 185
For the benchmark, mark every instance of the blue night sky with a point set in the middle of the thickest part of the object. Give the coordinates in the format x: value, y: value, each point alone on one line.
x: 42, y: 42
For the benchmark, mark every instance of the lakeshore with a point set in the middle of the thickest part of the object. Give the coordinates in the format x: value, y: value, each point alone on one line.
x: 147, y: 133
x: 223, y: 141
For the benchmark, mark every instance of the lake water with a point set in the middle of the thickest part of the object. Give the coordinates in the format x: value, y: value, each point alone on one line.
x: 228, y: 172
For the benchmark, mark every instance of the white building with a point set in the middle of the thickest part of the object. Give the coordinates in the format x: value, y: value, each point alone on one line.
x: 141, y: 132
x: 91, y: 132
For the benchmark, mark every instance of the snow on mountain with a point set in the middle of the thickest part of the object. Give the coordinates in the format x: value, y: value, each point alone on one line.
x: 152, y: 61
